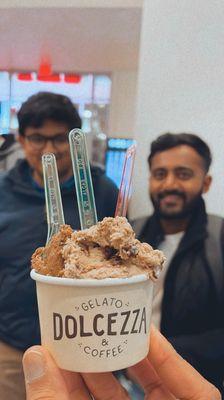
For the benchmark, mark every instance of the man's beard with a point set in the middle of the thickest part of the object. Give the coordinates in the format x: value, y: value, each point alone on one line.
x: 187, y: 210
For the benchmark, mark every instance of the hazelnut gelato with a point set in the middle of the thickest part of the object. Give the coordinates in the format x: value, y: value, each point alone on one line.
x: 108, y: 249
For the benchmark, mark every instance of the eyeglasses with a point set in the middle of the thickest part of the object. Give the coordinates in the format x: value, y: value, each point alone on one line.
x: 38, y: 142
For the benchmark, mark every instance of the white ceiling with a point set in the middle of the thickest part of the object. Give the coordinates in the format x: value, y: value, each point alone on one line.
x: 76, y: 39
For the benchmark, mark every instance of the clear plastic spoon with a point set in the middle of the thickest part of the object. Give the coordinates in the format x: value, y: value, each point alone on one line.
x: 126, y: 181
x: 55, y: 215
x: 83, y: 179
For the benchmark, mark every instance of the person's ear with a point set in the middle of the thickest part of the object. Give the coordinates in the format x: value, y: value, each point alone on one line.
x: 21, y: 140
x: 207, y: 183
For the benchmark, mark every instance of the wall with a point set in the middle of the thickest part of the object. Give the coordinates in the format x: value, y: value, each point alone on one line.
x: 181, y: 85
x: 71, y: 3
x: 123, y: 104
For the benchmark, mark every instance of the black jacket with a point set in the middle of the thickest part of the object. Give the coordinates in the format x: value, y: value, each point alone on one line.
x: 192, y: 307
x: 23, y: 228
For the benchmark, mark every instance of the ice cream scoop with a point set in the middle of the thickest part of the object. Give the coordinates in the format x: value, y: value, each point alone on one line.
x: 108, y: 249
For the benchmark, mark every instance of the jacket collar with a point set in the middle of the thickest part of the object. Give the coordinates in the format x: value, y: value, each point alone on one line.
x: 152, y: 231
x: 20, y: 180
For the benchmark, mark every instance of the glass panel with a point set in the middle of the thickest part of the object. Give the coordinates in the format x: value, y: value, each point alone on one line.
x: 4, y: 102
x: 77, y: 92
x: 90, y: 94
x: 102, y: 89
x: 116, y: 149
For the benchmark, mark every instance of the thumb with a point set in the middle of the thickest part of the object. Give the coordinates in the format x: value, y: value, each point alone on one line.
x: 43, y: 378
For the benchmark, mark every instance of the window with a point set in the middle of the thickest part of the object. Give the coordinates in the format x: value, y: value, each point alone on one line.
x: 115, y: 155
x: 90, y: 93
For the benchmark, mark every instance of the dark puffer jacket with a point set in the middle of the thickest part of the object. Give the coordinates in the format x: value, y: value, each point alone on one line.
x: 193, y: 306
x: 23, y: 228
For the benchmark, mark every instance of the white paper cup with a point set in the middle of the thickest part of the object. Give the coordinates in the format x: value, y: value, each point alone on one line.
x: 92, y: 325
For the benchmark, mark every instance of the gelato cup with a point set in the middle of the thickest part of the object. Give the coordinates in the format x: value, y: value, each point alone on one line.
x: 95, y: 325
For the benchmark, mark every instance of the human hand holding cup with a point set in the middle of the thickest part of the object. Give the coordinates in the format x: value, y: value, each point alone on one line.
x: 163, y: 375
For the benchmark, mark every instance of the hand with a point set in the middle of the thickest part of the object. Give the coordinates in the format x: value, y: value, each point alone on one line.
x: 164, y: 375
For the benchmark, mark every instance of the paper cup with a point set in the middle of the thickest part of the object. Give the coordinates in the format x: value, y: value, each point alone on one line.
x: 92, y: 325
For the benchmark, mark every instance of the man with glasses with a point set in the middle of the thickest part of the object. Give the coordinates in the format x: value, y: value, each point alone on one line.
x: 44, y: 122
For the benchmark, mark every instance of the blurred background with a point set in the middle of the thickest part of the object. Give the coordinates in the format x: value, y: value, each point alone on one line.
x: 133, y: 68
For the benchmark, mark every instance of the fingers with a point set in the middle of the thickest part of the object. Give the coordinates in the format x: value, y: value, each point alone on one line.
x: 45, y: 381
x: 178, y: 376
x: 105, y: 387
x: 145, y: 375
x: 75, y: 386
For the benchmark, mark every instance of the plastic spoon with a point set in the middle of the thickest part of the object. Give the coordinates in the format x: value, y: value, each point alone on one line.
x: 83, y: 179
x: 55, y: 215
x: 126, y: 180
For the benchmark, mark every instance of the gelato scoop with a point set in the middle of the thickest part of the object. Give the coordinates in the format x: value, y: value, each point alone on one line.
x: 108, y: 249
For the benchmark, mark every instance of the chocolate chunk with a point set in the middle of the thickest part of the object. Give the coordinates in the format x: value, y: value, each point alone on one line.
x: 109, y: 252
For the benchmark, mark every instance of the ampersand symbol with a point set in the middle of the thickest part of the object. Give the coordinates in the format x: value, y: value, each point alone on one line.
x: 104, y: 342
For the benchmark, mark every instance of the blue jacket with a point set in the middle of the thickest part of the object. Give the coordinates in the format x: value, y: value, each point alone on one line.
x: 23, y: 228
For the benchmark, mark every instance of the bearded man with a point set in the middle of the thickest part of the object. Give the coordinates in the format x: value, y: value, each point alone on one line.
x: 188, y: 303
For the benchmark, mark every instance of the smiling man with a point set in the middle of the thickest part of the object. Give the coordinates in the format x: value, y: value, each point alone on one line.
x: 44, y: 122
x: 188, y: 298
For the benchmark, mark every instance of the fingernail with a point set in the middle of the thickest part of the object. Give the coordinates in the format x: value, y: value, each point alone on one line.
x: 33, y: 365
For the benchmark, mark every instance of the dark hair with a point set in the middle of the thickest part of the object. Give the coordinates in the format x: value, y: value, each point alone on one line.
x: 47, y: 106
x: 170, y: 140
